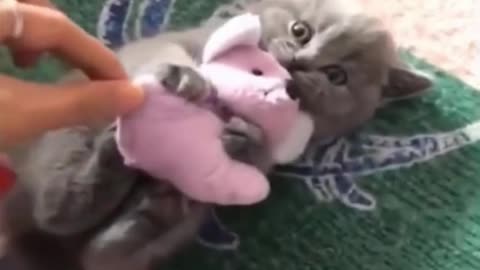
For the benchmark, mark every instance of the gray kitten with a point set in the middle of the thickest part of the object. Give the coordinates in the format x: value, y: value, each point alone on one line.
x: 344, y: 67
x: 79, y: 207
x: 344, y: 64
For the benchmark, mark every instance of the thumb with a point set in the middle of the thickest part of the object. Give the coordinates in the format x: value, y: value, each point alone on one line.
x: 31, y: 109
x: 87, y: 103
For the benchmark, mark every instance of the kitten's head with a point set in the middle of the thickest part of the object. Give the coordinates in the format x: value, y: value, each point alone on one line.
x: 344, y: 65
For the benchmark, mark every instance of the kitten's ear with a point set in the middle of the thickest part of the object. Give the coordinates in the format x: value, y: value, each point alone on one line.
x: 405, y: 83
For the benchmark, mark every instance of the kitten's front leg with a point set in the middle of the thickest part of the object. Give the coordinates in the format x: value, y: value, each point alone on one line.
x: 155, y: 224
x: 238, y: 135
x: 244, y: 142
x: 183, y: 81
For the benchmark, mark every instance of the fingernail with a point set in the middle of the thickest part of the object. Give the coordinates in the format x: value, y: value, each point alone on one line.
x: 131, y: 97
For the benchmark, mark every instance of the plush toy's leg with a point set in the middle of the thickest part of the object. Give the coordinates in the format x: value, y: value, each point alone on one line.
x: 243, y: 185
x: 235, y: 183
x: 211, y: 176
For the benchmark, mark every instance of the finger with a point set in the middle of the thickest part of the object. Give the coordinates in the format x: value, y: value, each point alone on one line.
x: 25, y: 59
x: 42, y: 3
x: 28, y: 109
x: 48, y: 29
x: 87, y: 103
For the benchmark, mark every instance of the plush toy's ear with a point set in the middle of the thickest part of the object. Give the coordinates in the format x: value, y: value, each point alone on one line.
x: 240, y: 30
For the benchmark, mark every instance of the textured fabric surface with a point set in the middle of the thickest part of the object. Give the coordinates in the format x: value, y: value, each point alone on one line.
x: 403, y: 193
x: 443, y: 31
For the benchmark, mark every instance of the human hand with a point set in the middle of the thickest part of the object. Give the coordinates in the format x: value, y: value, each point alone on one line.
x: 23, y: 58
x: 29, y: 109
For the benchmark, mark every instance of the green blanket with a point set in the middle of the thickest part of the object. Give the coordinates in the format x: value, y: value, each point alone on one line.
x: 403, y: 193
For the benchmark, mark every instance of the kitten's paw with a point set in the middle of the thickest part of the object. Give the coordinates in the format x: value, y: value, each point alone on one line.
x: 183, y: 81
x: 238, y: 125
x: 239, y: 136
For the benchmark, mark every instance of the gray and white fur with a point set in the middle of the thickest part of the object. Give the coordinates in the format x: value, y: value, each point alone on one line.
x: 75, y: 197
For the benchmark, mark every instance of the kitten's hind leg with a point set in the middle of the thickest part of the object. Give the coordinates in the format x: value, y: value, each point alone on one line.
x: 79, y: 182
x: 155, y: 226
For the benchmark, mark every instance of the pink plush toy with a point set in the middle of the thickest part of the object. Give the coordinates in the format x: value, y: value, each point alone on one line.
x: 172, y: 139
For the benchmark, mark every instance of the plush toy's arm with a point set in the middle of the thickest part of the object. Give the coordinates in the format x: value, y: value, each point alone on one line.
x: 296, y: 141
x: 250, y: 106
x: 255, y: 110
x: 274, y: 116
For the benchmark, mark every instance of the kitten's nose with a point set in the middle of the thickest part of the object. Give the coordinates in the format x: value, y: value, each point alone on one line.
x: 291, y: 90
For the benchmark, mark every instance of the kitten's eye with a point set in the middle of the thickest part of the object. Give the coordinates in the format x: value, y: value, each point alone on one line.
x: 335, y: 74
x: 257, y: 72
x: 301, y: 31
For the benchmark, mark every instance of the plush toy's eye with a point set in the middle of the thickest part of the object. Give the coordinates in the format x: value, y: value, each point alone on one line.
x: 257, y: 72
x: 301, y: 31
x: 335, y: 74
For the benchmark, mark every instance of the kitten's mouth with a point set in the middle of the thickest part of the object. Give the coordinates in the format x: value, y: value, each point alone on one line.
x: 292, y: 90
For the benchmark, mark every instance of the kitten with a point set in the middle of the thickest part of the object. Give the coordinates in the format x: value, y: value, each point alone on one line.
x: 79, y: 207
x: 344, y: 64
x: 344, y: 67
